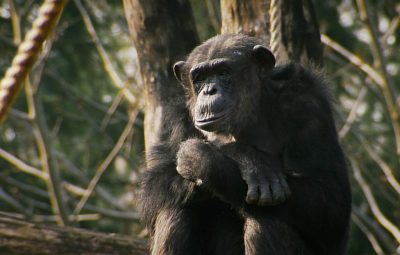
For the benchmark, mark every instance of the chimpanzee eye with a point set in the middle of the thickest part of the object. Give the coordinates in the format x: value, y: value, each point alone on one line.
x: 199, y: 78
x: 198, y: 82
x: 223, y: 72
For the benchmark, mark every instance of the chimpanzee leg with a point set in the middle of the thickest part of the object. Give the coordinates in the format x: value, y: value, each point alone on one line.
x: 177, y: 232
x: 272, y: 237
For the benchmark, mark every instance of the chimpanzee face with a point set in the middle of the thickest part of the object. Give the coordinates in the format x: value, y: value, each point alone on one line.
x: 216, y: 96
x: 223, y: 82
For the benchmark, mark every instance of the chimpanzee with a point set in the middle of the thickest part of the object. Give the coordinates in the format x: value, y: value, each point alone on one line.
x: 224, y: 190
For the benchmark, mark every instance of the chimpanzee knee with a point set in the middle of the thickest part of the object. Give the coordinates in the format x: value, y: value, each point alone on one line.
x: 176, y: 232
x: 272, y: 237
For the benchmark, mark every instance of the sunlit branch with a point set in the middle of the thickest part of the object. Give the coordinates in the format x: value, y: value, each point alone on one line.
x: 381, y: 218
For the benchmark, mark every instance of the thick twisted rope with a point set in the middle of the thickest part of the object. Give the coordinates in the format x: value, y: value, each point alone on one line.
x: 28, y: 52
x: 275, y: 30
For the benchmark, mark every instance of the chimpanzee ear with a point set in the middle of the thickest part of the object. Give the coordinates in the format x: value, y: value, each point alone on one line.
x: 264, y: 56
x: 178, y: 70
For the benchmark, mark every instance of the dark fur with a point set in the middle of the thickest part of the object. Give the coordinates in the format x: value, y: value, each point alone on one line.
x: 214, y: 218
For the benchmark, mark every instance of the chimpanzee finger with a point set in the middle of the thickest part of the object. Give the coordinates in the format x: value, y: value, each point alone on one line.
x: 252, y: 194
x: 277, y: 192
x: 265, y: 195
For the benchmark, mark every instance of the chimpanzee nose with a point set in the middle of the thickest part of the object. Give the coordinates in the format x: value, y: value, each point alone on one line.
x: 210, y: 90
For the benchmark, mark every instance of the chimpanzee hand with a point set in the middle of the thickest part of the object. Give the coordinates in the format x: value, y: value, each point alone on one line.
x: 263, y: 174
x: 266, y: 185
x: 192, y: 158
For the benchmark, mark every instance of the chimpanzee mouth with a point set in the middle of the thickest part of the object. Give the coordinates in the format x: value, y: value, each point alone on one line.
x: 208, y: 123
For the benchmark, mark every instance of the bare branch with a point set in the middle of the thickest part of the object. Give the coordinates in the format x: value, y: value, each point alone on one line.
x: 392, y: 29
x: 103, y: 54
x: 78, y: 173
x: 381, y: 218
x: 31, y: 189
x: 353, y: 113
x: 22, y: 165
x: 48, y: 164
x: 388, y: 89
x: 117, y: 100
x: 15, y: 20
x: 370, y: 236
x: 11, y: 201
x: 103, y: 166
x: 355, y: 60
x: 386, y: 169
x: 384, y: 239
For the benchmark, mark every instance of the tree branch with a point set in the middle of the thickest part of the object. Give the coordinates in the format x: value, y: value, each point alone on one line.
x: 22, y: 237
x: 108, y: 67
x: 388, y: 89
x: 104, y: 165
x: 376, y: 211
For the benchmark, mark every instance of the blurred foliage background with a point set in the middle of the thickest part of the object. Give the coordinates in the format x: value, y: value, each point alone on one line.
x: 81, y: 113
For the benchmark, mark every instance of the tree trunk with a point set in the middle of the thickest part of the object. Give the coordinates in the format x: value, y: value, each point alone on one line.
x: 22, y: 237
x: 162, y: 32
x: 300, y: 32
x: 288, y: 27
x: 248, y: 17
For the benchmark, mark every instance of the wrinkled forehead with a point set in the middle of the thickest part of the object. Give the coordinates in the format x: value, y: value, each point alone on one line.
x: 231, y: 48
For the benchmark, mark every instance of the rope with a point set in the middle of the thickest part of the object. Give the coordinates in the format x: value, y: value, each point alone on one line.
x: 28, y: 52
x: 275, y: 30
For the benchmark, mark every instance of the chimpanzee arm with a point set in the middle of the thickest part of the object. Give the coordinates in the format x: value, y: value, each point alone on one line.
x: 162, y: 186
x: 207, y: 166
x: 321, y: 199
x: 317, y: 173
x: 262, y: 172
